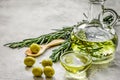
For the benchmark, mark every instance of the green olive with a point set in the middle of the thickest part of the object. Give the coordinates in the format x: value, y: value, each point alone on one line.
x: 29, y: 61
x: 37, y: 71
x: 49, y: 71
x: 47, y: 62
x: 34, y: 48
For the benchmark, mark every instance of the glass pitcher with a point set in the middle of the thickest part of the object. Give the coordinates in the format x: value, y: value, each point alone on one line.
x: 96, y: 36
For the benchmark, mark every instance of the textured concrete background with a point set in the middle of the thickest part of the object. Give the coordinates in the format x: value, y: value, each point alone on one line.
x: 21, y: 19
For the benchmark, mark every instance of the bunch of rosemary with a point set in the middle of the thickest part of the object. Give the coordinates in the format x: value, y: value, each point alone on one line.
x: 63, y: 33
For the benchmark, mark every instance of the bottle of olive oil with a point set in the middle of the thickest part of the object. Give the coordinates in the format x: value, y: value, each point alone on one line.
x: 96, y: 42
x: 95, y: 37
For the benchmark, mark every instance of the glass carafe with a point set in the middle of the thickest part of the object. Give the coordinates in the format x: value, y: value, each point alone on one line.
x: 96, y: 37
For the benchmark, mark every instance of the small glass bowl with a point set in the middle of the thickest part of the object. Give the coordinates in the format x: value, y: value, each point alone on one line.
x: 75, y: 64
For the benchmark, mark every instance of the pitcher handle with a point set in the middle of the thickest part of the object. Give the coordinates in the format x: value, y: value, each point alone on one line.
x: 112, y: 17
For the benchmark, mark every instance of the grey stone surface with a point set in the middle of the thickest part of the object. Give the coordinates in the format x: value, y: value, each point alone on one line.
x: 21, y: 19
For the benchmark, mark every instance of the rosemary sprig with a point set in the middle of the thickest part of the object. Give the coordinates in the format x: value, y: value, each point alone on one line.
x: 43, y: 39
x: 63, y: 33
x: 66, y: 46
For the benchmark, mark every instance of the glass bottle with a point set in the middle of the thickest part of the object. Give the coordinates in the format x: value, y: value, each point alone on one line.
x: 96, y: 37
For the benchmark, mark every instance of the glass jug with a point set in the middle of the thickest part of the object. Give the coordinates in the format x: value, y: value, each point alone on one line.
x: 96, y: 37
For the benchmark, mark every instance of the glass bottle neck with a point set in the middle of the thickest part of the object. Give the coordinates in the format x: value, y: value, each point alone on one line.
x: 96, y: 8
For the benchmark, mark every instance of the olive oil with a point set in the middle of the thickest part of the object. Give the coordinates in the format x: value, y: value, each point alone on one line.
x: 98, y: 43
x: 74, y: 63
